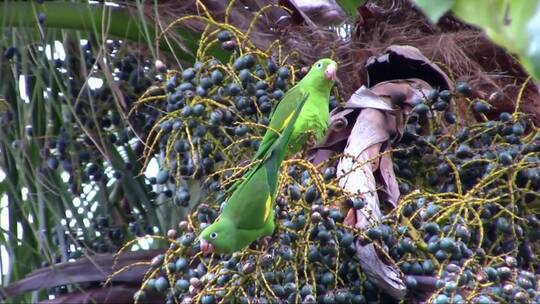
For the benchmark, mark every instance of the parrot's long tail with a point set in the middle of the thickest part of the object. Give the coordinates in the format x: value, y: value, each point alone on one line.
x: 273, y: 158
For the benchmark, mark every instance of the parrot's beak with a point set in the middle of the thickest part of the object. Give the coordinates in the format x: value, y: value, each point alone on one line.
x: 206, y: 247
x: 330, y: 73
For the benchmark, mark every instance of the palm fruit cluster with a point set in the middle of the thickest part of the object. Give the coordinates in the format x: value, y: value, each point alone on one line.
x: 472, y: 222
x: 80, y: 142
x: 310, y: 258
x: 213, y: 116
x: 466, y: 218
x: 211, y: 113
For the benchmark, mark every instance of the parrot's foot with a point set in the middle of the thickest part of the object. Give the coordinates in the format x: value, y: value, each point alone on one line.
x: 311, y: 140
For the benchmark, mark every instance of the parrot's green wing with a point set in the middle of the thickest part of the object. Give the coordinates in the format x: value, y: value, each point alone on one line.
x: 280, y: 116
x: 251, y: 203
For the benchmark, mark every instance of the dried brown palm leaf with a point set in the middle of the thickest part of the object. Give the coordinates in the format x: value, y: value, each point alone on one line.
x: 97, y: 268
x: 118, y: 294
x: 363, y: 130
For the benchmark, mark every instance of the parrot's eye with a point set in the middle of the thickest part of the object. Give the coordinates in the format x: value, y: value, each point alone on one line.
x: 213, y: 235
x: 319, y: 65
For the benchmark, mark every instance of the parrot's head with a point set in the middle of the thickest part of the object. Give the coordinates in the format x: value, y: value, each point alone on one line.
x: 218, y: 237
x: 323, y: 72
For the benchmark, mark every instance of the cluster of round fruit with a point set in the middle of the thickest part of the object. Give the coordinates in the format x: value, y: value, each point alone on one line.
x: 473, y: 222
x: 213, y: 116
x: 310, y: 258
x: 85, y: 125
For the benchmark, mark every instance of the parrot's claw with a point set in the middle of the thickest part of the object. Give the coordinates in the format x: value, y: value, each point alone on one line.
x: 311, y: 141
x: 309, y: 137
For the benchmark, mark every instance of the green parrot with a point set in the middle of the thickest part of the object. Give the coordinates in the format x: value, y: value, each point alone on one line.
x: 249, y: 214
x: 314, y: 116
x: 313, y: 119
